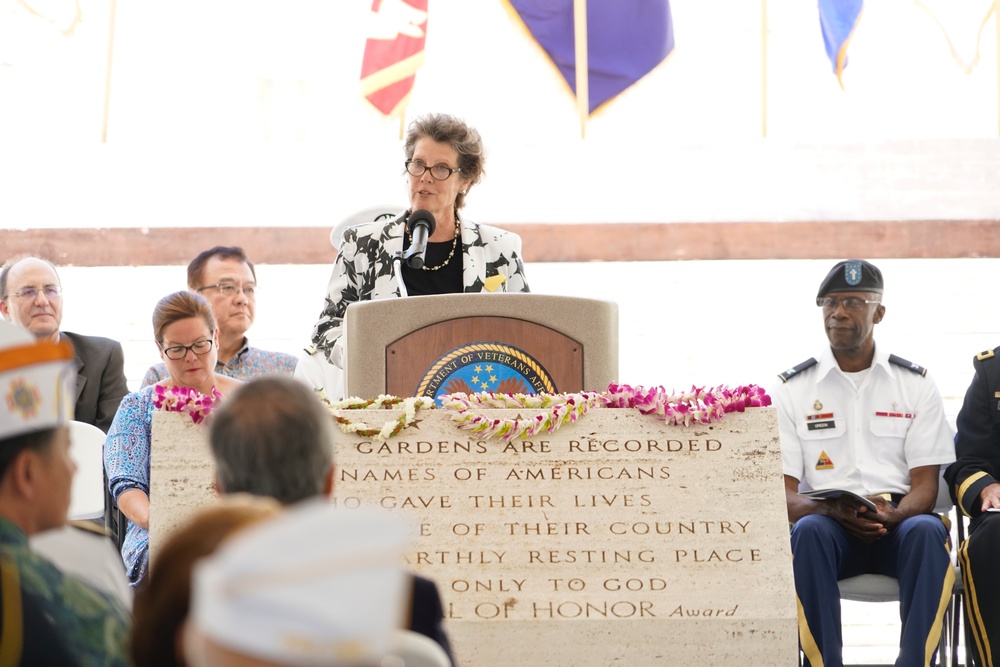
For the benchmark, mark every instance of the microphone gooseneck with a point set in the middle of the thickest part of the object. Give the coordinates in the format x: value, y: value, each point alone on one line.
x: 420, y: 225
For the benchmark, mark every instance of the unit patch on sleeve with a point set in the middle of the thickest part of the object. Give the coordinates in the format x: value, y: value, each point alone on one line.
x: 824, y: 462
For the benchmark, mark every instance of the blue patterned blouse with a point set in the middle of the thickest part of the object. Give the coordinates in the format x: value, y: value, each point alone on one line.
x: 126, y: 460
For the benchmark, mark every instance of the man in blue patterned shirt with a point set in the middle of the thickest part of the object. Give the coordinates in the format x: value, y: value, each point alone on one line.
x: 225, y: 276
x: 47, y: 617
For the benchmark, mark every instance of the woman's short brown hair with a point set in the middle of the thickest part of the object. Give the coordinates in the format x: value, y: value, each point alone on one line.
x: 180, y: 306
x: 453, y: 131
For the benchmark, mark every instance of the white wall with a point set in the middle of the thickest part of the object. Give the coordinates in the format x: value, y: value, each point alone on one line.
x: 912, y: 135
x: 680, y: 323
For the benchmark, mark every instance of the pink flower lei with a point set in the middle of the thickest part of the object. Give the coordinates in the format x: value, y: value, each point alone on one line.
x: 698, y: 405
x: 185, y: 399
x: 555, y: 410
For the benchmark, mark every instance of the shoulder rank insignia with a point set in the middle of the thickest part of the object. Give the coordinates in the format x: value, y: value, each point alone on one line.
x: 795, y: 370
x: 983, y: 356
x: 310, y: 350
x: 908, y: 365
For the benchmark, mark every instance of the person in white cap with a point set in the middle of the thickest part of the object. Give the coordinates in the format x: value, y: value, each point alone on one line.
x: 316, y: 586
x: 48, y: 616
x: 274, y: 438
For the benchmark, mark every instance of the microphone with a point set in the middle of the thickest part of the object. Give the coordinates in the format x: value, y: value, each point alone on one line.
x: 420, y: 224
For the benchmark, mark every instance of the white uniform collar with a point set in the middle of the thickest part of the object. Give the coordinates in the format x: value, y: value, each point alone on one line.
x: 827, y: 363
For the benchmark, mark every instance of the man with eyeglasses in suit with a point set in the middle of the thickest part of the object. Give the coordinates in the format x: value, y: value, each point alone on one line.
x: 865, y: 421
x: 225, y: 276
x: 32, y: 297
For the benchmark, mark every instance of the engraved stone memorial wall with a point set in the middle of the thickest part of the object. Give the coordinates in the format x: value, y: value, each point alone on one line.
x: 615, y: 540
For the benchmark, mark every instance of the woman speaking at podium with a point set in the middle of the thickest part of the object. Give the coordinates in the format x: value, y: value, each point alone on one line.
x: 442, y: 252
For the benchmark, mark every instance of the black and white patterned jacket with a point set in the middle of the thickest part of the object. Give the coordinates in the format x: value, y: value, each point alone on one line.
x: 491, y: 262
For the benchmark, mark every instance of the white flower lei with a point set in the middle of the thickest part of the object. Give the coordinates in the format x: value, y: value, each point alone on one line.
x: 391, y: 427
x: 699, y: 405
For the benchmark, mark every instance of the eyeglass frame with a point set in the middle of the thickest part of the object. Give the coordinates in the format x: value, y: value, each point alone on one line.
x: 406, y: 165
x: 224, y: 287
x: 37, y: 290
x: 186, y: 348
x: 820, y: 301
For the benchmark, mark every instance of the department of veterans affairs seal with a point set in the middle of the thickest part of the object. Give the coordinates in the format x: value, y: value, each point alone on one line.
x: 485, y: 366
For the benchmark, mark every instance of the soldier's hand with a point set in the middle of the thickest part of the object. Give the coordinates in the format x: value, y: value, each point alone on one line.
x: 887, y: 513
x: 859, y: 522
x: 990, y: 496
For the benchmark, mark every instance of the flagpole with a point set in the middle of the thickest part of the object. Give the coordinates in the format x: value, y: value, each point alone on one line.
x: 763, y: 66
x: 582, y: 66
x: 108, y: 66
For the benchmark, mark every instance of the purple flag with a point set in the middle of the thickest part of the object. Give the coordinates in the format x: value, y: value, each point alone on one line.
x: 837, y: 19
x: 625, y: 40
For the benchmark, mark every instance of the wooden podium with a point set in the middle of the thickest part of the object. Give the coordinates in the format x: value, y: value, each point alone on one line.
x: 510, y: 343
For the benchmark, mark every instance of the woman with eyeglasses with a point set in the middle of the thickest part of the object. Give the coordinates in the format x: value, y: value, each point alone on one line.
x: 444, y: 160
x: 187, y: 339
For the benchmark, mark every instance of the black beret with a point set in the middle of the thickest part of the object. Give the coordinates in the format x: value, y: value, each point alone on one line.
x: 852, y: 275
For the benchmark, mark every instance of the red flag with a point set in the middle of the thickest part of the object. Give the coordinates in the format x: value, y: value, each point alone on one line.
x: 393, y: 52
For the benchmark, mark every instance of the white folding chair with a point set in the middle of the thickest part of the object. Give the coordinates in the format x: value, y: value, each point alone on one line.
x: 87, y: 449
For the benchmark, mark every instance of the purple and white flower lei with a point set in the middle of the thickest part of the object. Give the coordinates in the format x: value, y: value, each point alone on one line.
x: 186, y: 399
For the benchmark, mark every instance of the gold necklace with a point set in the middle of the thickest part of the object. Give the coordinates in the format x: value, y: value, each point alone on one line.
x: 454, y: 244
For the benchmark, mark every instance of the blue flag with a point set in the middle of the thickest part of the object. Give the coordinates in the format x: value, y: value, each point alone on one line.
x: 837, y: 19
x: 625, y: 40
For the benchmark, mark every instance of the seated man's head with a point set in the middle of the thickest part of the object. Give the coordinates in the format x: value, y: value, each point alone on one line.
x: 36, y: 469
x: 274, y: 438
x: 851, y: 299
x: 225, y: 276
x: 31, y: 296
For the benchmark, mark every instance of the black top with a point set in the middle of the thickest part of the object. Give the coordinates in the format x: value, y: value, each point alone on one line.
x: 446, y: 280
x: 427, y: 612
x: 977, y: 443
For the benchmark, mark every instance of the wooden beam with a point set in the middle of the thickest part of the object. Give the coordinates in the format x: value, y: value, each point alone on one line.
x: 570, y: 242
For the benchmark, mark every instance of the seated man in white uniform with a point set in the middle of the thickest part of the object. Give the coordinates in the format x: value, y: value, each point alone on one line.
x: 869, y: 422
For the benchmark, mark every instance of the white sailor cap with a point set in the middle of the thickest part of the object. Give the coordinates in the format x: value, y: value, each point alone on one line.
x: 36, y: 382
x: 316, y: 585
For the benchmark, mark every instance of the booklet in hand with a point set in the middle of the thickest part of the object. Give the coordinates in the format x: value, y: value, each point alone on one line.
x: 837, y: 493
